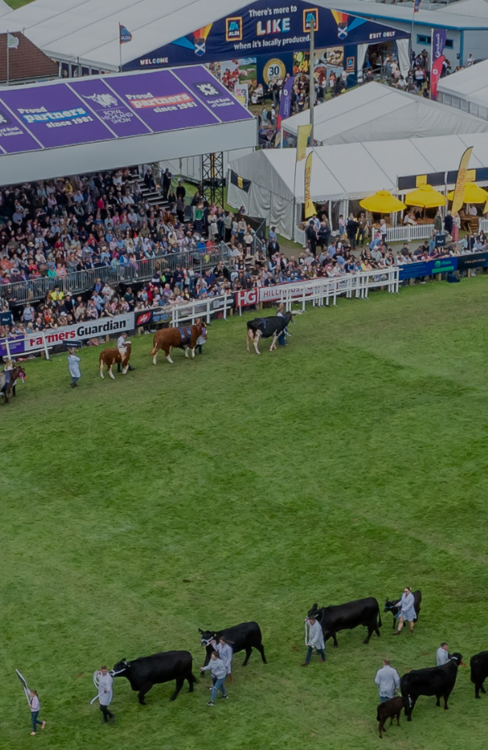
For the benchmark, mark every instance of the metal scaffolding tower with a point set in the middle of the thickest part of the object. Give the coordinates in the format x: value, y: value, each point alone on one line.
x: 213, y: 180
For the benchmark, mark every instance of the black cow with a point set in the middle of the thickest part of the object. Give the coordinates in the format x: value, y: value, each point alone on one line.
x: 265, y: 327
x: 347, y: 616
x: 390, y: 606
x: 243, y: 637
x: 147, y: 671
x: 438, y: 681
x: 479, y: 672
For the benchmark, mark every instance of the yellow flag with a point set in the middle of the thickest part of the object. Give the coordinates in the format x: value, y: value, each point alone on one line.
x: 458, y: 199
x: 309, y: 205
x: 302, y: 140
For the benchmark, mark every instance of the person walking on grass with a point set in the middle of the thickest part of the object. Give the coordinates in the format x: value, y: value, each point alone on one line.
x: 74, y: 367
x: 442, y: 654
x: 218, y: 671
x: 105, y: 694
x: 407, y: 610
x: 388, y: 681
x: 35, y: 707
x: 315, y: 640
x: 224, y: 650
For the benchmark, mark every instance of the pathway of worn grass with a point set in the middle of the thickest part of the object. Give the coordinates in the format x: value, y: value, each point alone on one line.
x: 237, y: 487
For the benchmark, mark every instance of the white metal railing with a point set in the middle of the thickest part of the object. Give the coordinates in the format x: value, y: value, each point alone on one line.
x: 483, y: 225
x: 409, y: 232
x: 202, y: 309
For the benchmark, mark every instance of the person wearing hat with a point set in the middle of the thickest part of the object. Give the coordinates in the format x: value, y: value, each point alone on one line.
x: 74, y: 367
x: 121, y: 346
x: 315, y: 640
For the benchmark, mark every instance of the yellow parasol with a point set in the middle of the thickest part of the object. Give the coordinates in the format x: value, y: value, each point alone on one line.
x: 382, y: 202
x: 472, y: 194
x: 426, y: 197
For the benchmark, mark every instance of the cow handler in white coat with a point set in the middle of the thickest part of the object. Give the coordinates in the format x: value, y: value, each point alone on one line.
x: 315, y: 640
x: 225, y: 652
x: 105, y: 694
x: 74, y: 367
x: 407, y: 610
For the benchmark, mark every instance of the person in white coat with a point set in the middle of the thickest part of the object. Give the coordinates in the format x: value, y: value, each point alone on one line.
x: 105, y: 694
x: 219, y: 673
x: 407, y: 610
x: 315, y: 640
x: 225, y: 652
x: 387, y: 680
x: 442, y: 654
x: 74, y: 367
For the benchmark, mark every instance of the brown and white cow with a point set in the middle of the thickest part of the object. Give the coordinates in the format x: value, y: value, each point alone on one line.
x: 111, y: 357
x: 184, y: 337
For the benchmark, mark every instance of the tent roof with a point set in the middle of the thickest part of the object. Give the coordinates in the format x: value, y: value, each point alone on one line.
x: 89, y: 29
x: 105, y: 122
x: 375, y: 112
x: 468, y: 14
x: 376, y: 165
x: 468, y: 84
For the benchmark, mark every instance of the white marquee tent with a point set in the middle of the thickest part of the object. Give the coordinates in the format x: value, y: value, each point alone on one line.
x: 87, y: 31
x: 375, y: 112
x: 467, y: 90
x: 346, y: 172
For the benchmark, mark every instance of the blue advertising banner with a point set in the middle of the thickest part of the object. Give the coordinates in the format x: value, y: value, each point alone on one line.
x: 15, y: 345
x: 428, y: 268
x: 267, y: 27
x: 476, y: 260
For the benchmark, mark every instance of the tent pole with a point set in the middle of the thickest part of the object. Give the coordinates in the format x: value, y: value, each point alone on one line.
x: 312, y: 80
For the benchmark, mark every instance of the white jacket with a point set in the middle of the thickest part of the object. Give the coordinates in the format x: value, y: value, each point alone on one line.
x: 316, y: 635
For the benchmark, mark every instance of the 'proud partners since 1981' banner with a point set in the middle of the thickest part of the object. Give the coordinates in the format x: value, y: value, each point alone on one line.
x: 56, y: 336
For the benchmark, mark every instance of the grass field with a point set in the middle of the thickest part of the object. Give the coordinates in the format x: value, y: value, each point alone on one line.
x: 238, y: 487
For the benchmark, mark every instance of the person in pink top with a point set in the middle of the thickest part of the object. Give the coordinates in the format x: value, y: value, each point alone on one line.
x: 35, y: 707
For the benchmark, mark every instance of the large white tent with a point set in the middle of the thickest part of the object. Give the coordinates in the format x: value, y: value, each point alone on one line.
x: 467, y: 90
x: 340, y: 173
x: 87, y: 31
x: 375, y: 112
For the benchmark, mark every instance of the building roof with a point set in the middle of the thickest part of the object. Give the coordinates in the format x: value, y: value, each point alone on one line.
x: 375, y: 112
x: 467, y: 14
x: 27, y: 62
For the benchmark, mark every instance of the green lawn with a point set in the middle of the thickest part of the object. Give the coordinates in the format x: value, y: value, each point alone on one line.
x: 237, y: 487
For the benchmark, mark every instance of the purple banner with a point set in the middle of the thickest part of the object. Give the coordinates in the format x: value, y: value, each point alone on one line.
x: 285, y: 103
x: 13, y: 136
x: 438, y: 43
x: 15, y: 345
x: 162, y: 101
x: 111, y: 110
x: 55, y: 115
x: 211, y: 93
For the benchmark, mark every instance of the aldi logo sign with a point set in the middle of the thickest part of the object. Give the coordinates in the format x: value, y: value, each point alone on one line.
x: 310, y: 19
x: 233, y: 29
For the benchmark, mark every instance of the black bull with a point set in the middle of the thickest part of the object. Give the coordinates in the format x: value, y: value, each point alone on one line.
x: 147, y: 671
x: 438, y: 681
x: 364, y: 612
x: 243, y: 637
x: 479, y: 672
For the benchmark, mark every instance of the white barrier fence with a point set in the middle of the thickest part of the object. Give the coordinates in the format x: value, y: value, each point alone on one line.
x: 321, y: 291
x: 483, y: 225
x: 409, y: 232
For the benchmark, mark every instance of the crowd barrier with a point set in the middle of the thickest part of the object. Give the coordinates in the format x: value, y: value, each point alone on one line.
x: 320, y: 291
x: 82, y: 281
x: 409, y: 232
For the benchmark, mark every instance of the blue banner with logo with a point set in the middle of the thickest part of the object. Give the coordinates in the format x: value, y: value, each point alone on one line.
x: 428, y: 268
x: 265, y: 27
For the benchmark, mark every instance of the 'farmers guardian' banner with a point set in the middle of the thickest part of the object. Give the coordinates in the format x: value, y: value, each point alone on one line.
x: 437, y: 57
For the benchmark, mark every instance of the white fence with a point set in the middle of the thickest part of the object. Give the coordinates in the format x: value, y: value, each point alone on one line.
x: 483, y: 225
x: 409, y: 232
x: 322, y: 291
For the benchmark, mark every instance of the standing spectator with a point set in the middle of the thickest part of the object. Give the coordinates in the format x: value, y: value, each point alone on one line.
x: 219, y: 673
x: 315, y: 640
x: 35, y: 707
x: 105, y: 694
x: 311, y: 236
x: 28, y: 314
x: 352, y: 230
x: 225, y: 652
x: 74, y: 367
x: 387, y: 680
x: 470, y: 60
x: 442, y: 654
x: 407, y: 610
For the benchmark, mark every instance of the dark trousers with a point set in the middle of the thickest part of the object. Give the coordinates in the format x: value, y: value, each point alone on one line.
x: 320, y: 651
x: 35, y: 720
x: 106, y: 713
